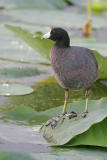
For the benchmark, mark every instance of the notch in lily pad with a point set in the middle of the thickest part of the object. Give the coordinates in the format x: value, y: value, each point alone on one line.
x: 14, y: 89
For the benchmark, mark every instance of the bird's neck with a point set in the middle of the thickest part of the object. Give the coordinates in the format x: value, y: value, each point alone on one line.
x: 63, y: 43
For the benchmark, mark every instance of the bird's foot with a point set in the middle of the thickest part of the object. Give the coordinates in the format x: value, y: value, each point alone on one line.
x: 53, y: 122
x: 72, y: 114
x: 84, y: 114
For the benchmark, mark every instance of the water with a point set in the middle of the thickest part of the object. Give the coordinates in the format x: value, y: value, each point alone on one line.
x: 21, y: 138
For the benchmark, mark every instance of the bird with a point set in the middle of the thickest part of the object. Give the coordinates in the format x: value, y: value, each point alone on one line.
x: 74, y: 67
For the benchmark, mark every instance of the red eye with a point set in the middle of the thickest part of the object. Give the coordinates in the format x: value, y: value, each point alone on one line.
x: 53, y: 31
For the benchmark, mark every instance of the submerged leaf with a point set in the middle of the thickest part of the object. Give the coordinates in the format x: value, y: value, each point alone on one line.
x: 48, y: 94
x: 24, y: 115
x: 71, y: 132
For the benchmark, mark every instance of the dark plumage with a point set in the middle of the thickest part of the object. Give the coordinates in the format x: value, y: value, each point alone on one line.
x: 74, y: 67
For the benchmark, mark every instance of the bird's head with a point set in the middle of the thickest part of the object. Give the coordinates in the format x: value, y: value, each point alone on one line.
x: 59, y: 35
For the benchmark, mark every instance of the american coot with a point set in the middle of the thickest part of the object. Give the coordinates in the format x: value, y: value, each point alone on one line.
x: 74, y: 67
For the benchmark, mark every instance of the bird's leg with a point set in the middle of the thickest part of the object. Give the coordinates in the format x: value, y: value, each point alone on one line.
x: 86, y: 95
x: 53, y: 122
x: 86, y: 107
x: 66, y: 102
x: 72, y: 113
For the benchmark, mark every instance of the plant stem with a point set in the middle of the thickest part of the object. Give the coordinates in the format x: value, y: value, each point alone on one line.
x: 89, y: 16
x: 88, y: 26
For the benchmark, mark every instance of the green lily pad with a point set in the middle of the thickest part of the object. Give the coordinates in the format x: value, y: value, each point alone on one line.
x: 66, y: 132
x: 102, y: 65
x: 42, y: 47
x: 14, y: 89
